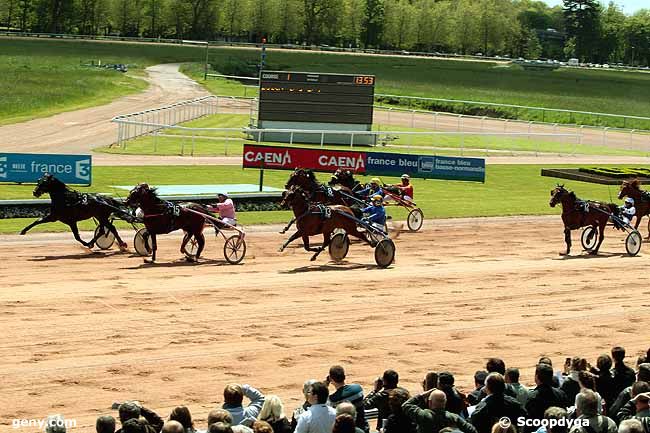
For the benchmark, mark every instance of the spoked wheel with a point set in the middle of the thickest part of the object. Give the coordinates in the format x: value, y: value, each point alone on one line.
x: 339, y: 246
x: 191, y: 248
x: 234, y: 249
x: 142, y: 242
x: 104, y: 238
x: 633, y: 243
x: 384, y: 253
x: 415, y: 220
x: 589, y: 238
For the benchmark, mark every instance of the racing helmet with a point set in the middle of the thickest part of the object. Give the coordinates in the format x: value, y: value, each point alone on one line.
x: 377, y: 198
x: 629, y: 200
x: 406, y: 176
x: 375, y: 180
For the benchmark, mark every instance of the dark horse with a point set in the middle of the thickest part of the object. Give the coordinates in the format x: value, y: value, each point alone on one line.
x: 314, y: 219
x: 632, y: 188
x: 70, y: 207
x: 345, y: 179
x: 161, y: 217
x: 578, y: 213
x: 320, y: 193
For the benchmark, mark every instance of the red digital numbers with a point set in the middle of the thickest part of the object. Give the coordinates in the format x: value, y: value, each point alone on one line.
x: 364, y: 80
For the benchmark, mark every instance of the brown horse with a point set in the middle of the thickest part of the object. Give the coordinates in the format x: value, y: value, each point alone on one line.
x: 578, y: 213
x: 315, y: 219
x: 632, y: 188
x: 161, y: 217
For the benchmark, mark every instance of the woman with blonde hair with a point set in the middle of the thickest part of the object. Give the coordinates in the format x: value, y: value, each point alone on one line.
x: 273, y: 413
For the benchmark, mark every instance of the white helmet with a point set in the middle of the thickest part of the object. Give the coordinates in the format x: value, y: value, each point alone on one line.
x: 629, y: 200
x: 406, y: 176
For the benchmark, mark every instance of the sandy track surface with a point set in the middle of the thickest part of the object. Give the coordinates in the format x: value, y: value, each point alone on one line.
x: 81, y: 330
x: 80, y: 131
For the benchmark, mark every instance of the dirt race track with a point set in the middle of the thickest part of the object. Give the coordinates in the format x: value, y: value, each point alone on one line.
x: 81, y: 330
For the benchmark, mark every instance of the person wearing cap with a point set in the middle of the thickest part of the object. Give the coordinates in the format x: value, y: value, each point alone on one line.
x: 637, y: 408
x: 405, y: 188
x: 373, y: 189
x: 225, y: 208
x: 627, y: 210
x: 376, y: 212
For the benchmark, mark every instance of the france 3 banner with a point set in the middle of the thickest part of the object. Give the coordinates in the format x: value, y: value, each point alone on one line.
x: 29, y: 167
x: 372, y: 163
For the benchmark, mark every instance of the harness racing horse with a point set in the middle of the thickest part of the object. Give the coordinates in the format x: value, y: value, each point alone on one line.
x: 632, y: 188
x: 315, y: 219
x: 162, y: 217
x: 70, y: 207
x: 320, y: 193
x: 344, y: 178
x: 578, y: 213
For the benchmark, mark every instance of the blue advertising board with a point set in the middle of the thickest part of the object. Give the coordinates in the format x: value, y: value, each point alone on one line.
x: 29, y: 167
x: 431, y: 167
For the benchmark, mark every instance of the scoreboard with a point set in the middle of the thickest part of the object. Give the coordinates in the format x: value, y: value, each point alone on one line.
x: 305, y: 97
x: 302, y: 100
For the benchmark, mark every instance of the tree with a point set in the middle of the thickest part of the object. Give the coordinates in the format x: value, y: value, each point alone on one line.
x: 319, y: 19
x: 582, y: 19
x: 373, y: 22
x: 612, y: 41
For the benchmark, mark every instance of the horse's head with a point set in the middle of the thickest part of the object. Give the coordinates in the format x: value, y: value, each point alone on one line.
x: 141, y: 192
x: 292, y: 196
x: 629, y: 187
x: 304, y: 178
x: 46, y: 184
x: 556, y: 195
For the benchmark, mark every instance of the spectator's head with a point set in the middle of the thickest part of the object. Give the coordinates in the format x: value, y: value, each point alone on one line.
x: 495, y: 365
x: 437, y: 400
x: 642, y: 401
x: 545, y: 360
x: 183, y: 416
x: 556, y: 413
x: 344, y: 424
x: 219, y: 427
x: 132, y: 425
x: 586, y: 380
x: 445, y: 380
x: 578, y: 364
x: 479, y: 378
x: 55, y: 424
x: 512, y: 375
x: 346, y: 407
x: 587, y: 403
x: 544, y: 374
x: 494, y: 384
x: 618, y: 354
x: 639, y: 387
x: 272, y: 410
x: 172, y: 427
x: 306, y: 387
x: 644, y: 372
x: 262, y: 427
x: 604, y: 363
x: 396, y: 398
x: 430, y: 381
x: 128, y: 410
x: 219, y: 415
x: 318, y: 393
x: 337, y: 375
x: 105, y: 424
x: 498, y: 428
x: 233, y: 394
x: 631, y: 426
x: 390, y: 379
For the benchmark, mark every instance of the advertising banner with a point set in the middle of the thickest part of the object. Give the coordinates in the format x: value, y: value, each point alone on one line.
x: 29, y: 167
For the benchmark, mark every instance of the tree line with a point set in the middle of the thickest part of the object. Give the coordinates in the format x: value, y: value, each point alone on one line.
x: 584, y: 29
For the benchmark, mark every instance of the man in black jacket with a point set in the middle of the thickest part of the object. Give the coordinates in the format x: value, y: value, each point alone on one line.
x: 496, y: 405
x: 378, y: 398
x: 435, y: 418
x: 623, y: 375
x: 643, y: 375
x: 544, y: 395
x: 134, y: 410
x: 456, y: 401
x: 637, y: 408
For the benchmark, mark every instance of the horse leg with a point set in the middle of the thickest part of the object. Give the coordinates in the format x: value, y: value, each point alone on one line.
x: 601, y: 237
x: 567, y: 240
x: 648, y: 228
x: 75, y: 233
x: 284, y: 230
x: 154, y: 247
x: 186, y: 239
x: 113, y: 229
x: 326, y: 241
x: 46, y: 219
x: 292, y: 238
x: 200, y: 238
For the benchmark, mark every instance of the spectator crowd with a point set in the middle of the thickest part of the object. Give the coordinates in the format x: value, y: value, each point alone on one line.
x: 610, y: 397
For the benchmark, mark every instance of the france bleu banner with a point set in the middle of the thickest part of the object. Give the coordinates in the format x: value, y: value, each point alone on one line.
x: 431, y: 167
x: 29, y: 167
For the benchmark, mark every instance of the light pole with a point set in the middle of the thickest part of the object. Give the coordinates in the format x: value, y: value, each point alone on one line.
x: 205, y: 68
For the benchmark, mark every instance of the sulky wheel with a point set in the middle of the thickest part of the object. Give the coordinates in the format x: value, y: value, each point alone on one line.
x: 415, y: 220
x: 104, y: 239
x: 339, y: 246
x: 633, y: 243
x: 384, y: 253
x: 142, y: 242
x: 234, y: 249
x: 191, y: 248
x: 589, y: 238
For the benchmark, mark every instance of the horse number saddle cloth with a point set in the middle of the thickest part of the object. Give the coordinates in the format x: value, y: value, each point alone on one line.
x: 323, y: 211
x: 645, y: 196
x: 173, y: 209
x: 582, y: 205
x: 76, y: 199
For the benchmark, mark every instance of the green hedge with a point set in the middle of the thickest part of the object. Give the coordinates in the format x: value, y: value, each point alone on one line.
x: 617, y: 173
